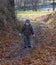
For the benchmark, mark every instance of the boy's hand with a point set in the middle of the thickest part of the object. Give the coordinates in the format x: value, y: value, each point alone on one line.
x: 20, y: 34
x: 33, y: 35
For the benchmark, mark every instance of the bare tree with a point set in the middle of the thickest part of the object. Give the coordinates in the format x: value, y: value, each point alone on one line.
x: 53, y: 5
x: 34, y: 4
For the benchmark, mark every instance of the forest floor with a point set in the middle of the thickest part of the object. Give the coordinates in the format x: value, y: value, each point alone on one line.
x: 43, y: 51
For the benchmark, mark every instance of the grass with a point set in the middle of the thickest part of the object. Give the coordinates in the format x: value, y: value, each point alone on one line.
x: 31, y: 13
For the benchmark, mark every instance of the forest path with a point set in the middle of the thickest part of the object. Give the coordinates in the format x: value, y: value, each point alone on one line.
x: 35, y: 44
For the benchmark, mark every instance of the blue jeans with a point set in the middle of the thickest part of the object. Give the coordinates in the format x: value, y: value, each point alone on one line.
x: 27, y: 41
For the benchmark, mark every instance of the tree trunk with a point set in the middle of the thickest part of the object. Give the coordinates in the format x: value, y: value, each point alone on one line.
x: 7, y: 14
x: 53, y: 5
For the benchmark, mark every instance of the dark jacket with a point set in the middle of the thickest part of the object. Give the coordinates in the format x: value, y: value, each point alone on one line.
x: 27, y: 30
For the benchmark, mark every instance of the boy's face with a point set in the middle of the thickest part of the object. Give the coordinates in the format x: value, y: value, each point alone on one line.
x: 27, y: 24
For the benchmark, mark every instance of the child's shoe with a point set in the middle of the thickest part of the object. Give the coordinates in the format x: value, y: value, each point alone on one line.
x: 29, y: 46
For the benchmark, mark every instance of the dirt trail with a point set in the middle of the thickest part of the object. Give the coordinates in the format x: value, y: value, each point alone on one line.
x: 43, y: 47
x: 23, y: 52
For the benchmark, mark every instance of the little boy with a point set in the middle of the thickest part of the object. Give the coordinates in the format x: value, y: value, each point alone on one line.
x: 27, y: 31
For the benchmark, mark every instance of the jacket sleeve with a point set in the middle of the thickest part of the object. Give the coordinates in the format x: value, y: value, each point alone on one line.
x: 32, y: 31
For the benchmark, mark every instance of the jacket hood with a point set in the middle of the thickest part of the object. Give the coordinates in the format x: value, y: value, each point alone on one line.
x: 27, y: 21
